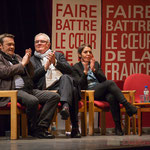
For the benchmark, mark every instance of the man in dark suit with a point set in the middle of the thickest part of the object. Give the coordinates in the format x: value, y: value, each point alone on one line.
x: 52, y: 72
x: 15, y: 74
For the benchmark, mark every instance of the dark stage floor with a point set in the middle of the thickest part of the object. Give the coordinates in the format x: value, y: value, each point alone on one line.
x: 85, y: 143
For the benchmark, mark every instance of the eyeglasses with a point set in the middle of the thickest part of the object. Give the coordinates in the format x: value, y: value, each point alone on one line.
x: 40, y: 41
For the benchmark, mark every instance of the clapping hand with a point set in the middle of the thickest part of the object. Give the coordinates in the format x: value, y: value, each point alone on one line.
x: 50, y: 60
x: 92, y: 64
x: 26, y: 58
x: 86, y: 67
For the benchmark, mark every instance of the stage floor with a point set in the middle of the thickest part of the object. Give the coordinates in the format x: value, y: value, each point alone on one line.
x: 85, y: 143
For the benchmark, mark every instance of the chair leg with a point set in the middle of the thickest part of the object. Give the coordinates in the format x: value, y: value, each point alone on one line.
x: 134, y: 124
x: 24, y: 125
x: 91, y: 120
x: 127, y: 124
x: 18, y: 126
x: 103, y: 122
x: 13, y: 124
x: 83, y: 124
x: 139, y: 122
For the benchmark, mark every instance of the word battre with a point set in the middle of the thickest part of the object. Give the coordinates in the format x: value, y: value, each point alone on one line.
x: 76, y: 24
x: 125, y: 25
x: 127, y: 41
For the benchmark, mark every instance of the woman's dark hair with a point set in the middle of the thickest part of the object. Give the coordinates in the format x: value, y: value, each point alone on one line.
x: 80, y: 49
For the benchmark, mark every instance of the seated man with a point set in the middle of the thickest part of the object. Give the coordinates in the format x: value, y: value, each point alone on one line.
x: 15, y: 73
x: 52, y: 72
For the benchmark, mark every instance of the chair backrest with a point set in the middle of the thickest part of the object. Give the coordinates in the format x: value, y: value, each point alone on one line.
x: 137, y: 82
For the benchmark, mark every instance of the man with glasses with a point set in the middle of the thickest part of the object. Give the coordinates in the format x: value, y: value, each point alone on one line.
x: 16, y: 74
x: 53, y: 72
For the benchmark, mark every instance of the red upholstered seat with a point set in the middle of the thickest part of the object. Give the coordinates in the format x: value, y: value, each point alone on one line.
x: 80, y: 104
x: 102, y: 104
x: 18, y: 105
x: 8, y: 106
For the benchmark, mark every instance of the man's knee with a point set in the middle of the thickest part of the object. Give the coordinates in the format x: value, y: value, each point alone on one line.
x: 53, y: 96
x: 33, y: 102
x: 65, y: 76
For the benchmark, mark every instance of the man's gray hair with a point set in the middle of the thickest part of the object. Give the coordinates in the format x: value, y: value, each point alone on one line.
x: 48, y: 38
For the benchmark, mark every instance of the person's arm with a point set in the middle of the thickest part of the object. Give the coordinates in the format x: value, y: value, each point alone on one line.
x: 39, y: 70
x: 62, y: 64
x: 8, y: 71
x: 80, y: 75
x: 99, y: 73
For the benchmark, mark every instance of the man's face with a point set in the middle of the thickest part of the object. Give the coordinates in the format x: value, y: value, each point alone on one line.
x: 8, y: 46
x: 41, y: 44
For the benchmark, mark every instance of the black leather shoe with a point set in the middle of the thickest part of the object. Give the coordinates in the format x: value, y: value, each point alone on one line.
x: 131, y: 110
x: 43, y: 134
x: 75, y: 133
x: 118, y: 131
x: 64, y: 113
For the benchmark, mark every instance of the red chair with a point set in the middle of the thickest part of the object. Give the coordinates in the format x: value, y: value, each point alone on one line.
x: 102, y: 107
x: 15, y: 110
x: 137, y: 82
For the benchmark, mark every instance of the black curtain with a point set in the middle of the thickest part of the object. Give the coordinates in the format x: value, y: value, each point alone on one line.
x: 25, y: 19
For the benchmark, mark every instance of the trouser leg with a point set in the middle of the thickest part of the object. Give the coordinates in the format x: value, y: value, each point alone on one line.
x: 66, y: 89
x: 74, y: 110
x: 31, y: 103
x: 114, y: 107
x: 110, y: 86
x: 114, y: 89
x: 49, y: 102
x: 69, y: 93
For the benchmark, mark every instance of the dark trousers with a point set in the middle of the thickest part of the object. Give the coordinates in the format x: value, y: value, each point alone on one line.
x: 49, y: 102
x: 110, y: 92
x: 70, y: 93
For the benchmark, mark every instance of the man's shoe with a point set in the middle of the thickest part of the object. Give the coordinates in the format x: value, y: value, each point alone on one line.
x: 64, y: 113
x: 40, y: 133
x: 118, y: 131
x: 131, y: 110
x: 75, y: 133
x: 44, y: 135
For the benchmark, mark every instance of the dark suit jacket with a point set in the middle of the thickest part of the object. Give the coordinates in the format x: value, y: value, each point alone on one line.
x: 7, y: 73
x: 39, y: 72
x: 81, y: 78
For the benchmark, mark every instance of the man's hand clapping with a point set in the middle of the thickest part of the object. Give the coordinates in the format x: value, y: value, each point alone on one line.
x: 26, y: 57
x: 50, y: 60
